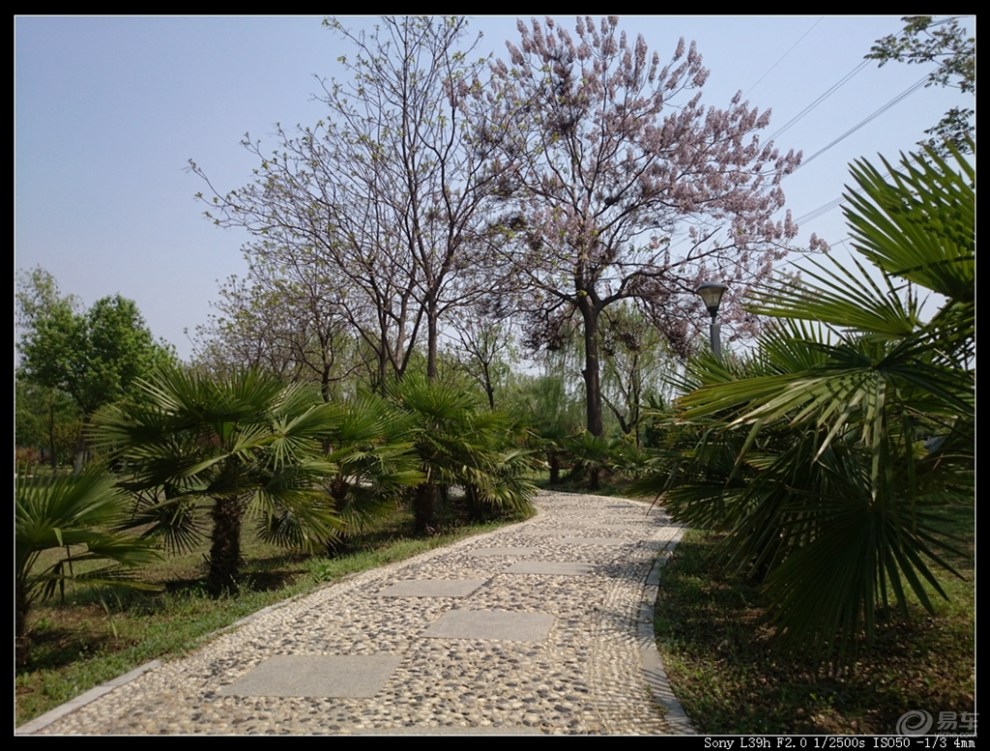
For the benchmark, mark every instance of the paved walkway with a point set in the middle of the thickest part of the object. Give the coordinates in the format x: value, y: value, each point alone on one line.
x: 543, y: 627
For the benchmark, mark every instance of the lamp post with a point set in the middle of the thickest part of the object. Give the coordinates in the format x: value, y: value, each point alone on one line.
x: 711, y: 293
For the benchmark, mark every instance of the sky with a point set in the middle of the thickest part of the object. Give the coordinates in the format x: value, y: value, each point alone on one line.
x: 108, y: 110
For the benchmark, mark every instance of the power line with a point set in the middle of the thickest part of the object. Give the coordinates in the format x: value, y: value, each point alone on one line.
x: 814, y: 214
x: 781, y: 59
x: 907, y: 92
x: 845, y: 79
x: 820, y: 211
x: 824, y: 209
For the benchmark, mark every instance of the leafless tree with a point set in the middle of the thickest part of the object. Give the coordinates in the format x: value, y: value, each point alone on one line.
x: 391, y: 192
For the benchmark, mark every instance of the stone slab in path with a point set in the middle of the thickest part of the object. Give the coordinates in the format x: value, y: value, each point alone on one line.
x: 324, y: 676
x: 562, y: 568
x: 432, y: 588
x: 593, y: 540
x: 486, y: 552
x: 491, y: 624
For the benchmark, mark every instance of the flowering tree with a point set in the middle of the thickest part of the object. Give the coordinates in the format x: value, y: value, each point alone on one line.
x: 623, y: 185
x: 388, y: 195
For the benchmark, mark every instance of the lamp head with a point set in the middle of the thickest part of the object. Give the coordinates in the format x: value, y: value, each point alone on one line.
x: 711, y: 293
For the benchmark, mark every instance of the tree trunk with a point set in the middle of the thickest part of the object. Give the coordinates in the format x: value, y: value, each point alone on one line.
x: 477, y: 511
x: 325, y: 383
x: 431, y: 342
x: 592, y: 376
x: 592, y: 367
x: 82, y: 451
x: 489, y: 390
x: 21, y: 643
x: 225, y: 550
x: 554, y: 461
x: 636, y: 391
x: 51, y: 432
x: 424, y: 503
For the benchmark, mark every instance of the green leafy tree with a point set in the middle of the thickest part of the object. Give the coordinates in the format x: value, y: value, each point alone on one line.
x: 46, y: 423
x: 94, y: 356
x: 827, y: 456
x: 944, y: 43
x: 79, y: 516
x: 204, y: 453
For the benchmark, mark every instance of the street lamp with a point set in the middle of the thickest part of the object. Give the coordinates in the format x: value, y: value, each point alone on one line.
x: 712, y: 295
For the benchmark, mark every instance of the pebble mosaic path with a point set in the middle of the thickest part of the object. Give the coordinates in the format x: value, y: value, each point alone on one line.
x: 539, y: 628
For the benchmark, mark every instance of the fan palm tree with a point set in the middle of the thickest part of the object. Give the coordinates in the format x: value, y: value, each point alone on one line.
x: 80, y: 516
x: 374, y: 459
x: 460, y: 442
x: 496, y: 480
x: 203, y: 453
x: 827, y: 455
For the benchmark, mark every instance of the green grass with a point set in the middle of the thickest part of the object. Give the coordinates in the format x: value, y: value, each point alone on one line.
x: 731, y: 678
x: 97, y: 635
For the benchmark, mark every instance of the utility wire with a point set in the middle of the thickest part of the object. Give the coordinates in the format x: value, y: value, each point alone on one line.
x: 781, y: 59
x: 824, y: 209
x: 820, y: 211
x: 845, y: 79
x: 907, y: 92
x: 831, y: 205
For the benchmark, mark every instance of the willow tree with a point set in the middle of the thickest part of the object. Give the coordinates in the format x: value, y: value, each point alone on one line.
x: 624, y: 185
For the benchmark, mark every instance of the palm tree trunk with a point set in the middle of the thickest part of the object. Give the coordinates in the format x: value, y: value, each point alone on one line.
x: 424, y: 503
x: 22, y: 645
x: 225, y: 549
x: 553, y: 460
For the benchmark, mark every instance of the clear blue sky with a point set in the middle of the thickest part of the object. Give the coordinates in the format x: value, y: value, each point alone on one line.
x: 109, y: 109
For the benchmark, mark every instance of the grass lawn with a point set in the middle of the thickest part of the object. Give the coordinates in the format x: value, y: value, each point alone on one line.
x: 730, y: 678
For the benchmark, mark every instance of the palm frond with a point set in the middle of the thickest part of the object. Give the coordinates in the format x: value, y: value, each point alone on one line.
x: 918, y: 224
x: 825, y: 457
x: 77, y: 515
x: 842, y: 297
